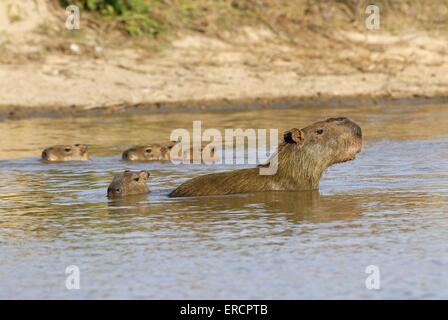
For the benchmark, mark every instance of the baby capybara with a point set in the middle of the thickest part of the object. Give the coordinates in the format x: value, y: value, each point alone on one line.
x: 128, y: 183
x: 302, y: 157
x: 62, y: 153
x: 149, y: 152
x: 162, y: 152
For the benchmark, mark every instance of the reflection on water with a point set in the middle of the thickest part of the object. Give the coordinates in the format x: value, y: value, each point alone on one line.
x: 388, y: 208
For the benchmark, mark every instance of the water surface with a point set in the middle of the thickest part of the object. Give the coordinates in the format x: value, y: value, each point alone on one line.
x: 388, y: 208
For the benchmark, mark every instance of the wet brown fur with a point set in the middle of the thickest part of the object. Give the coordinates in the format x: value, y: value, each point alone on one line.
x: 303, y: 156
x: 128, y: 183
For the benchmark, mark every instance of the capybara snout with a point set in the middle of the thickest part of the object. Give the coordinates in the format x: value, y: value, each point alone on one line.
x: 357, y: 130
x: 346, y: 121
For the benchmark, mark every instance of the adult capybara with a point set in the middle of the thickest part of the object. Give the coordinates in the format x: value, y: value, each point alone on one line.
x: 62, y: 153
x: 162, y: 152
x: 128, y: 183
x: 302, y: 157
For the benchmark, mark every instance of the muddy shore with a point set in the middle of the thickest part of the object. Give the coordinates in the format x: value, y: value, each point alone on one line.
x: 199, y: 73
x: 49, y: 75
x: 191, y: 79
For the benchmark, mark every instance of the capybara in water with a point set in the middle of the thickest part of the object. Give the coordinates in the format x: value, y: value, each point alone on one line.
x: 128, y: 183
x: 161, y: 152
x: 61, y: 153
x: 302, y: 157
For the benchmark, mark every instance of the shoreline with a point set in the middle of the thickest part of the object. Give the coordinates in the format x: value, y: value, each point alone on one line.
x: 214, y: 105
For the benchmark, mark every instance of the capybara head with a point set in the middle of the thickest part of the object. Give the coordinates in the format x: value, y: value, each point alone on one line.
x: 162, y: 152
x: 128, y: 183
x: 322, y: 144
x: 150, y: 152
x: 60, y: 153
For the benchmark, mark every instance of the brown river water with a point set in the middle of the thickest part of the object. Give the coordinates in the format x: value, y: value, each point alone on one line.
x: 388, y: 208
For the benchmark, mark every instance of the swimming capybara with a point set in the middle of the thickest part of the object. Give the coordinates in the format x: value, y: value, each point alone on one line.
x: 302, y: 157
x: 162, y: 152
x: 61, y: 153
x: 128, y: 183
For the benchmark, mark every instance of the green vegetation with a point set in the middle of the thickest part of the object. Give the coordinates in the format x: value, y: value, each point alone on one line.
x: 133, y: 15
x: 153, y: 17
x: 113, y: 7
x: 160, y: 17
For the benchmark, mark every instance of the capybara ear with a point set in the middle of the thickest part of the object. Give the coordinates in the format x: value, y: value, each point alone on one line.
x: 171, y: 144
x: 144, y: 175
x: 294, y: 136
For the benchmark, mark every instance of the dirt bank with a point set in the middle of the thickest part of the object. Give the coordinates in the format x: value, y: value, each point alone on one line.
x: 42, y: 75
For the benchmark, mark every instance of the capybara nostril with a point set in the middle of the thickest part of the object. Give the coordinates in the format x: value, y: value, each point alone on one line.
x: 125, y: 155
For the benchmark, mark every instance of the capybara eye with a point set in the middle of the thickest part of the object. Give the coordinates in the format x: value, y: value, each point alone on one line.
x: 67, y: 149
x: 135, y: 179
x: 118, y: 190
x: 148, y: 150
x: 77, y: 145
x: 319, y: 131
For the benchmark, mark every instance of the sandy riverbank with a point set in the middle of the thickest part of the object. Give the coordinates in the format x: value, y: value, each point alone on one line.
x: 252, y: 68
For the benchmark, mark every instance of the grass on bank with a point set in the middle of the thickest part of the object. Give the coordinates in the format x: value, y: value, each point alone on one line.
x: 157, y: 18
